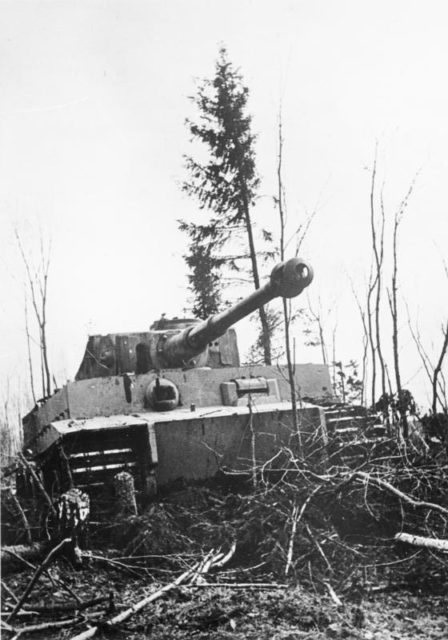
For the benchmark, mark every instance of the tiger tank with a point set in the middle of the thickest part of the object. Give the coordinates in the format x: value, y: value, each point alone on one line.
x: 174, y: 403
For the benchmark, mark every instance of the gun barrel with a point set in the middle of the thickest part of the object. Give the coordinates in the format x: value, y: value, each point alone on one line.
x: 288, y: 279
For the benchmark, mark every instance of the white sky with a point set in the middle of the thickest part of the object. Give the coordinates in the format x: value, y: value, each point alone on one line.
x: 94, y: 95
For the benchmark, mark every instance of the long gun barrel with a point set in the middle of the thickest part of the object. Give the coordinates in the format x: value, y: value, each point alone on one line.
x: 288, y: 279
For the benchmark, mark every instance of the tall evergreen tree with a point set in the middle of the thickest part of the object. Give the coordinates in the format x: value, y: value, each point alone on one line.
x: 226, y: 183
x: 204, y: 276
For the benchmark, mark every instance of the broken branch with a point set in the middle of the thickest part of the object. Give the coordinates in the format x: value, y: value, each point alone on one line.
x: 227, y: 557
x: 422, y: 541
x: 124, y: 615
x: 50, y: 557
x: 386, y: 485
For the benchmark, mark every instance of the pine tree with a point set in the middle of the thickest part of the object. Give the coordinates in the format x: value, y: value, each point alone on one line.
x: 204, y: 277
x: 226, y: 183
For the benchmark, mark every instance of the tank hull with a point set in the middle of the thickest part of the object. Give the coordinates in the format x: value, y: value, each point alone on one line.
x: 92, y: 429
x: 160, y: 449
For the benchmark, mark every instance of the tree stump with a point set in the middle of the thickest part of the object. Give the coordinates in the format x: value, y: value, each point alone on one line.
x: 125, y: 494
x: 73, y: 510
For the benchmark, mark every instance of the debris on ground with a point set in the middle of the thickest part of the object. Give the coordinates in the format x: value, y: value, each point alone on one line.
x: 337, y: 553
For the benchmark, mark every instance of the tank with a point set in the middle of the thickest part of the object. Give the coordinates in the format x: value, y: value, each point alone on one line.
x: 174, y: 403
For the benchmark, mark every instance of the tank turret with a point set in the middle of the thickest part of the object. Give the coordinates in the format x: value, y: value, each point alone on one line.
x: 187, y: 346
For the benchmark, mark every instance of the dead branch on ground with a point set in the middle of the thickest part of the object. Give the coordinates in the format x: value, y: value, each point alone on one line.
x: 125, y: 615
x: 421, y: 541
x: 44, y: 565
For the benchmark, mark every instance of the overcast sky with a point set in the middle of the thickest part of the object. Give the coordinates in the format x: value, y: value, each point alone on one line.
x: 93, y: 100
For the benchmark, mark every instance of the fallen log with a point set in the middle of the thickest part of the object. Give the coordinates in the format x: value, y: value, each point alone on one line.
x: 49, y: 626
x: 63, y: 607
x: 422, y: 541
x: 15, y: 557
x: 237, y: 585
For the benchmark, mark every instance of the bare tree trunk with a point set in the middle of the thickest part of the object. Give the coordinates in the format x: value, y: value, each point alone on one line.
x: 253, y: 259
x: 43, y: 286
x: 437, y: 385
x: 394, y: 312
x: 378, y: 253
x: 322, y: 341
x: 393, y: 303
x: 38, y: 284
x: 44, y: 348
x: 42, y: 374
x: 6, y: 448
x: 370, y: 330
x: 30, y: 362
x: 263, y: 316
x: 286, y: 308
x: 333, y: 358
x: 365, y: 344
x: 317, y: 317
x: 375, y: 290
x: 438, y: 369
